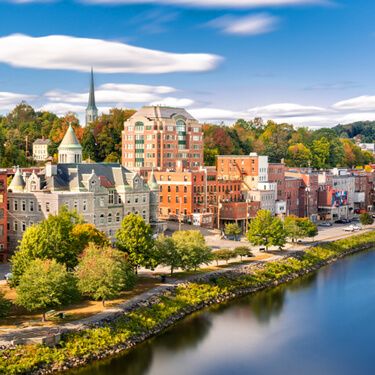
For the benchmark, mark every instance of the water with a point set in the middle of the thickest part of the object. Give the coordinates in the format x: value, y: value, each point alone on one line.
x: 323, y: 324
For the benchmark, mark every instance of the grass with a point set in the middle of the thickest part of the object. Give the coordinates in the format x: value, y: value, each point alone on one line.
x: 19, y: 317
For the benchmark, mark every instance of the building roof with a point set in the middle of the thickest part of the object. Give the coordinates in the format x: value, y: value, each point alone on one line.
x: 18, y: 183
x: 159, y: 112
x: 76, y: 177
x: 41, y: 141
x: 91, y: 103
x: 70, y: 139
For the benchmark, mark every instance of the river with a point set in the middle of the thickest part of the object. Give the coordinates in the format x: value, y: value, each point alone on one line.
x: 323, y: 324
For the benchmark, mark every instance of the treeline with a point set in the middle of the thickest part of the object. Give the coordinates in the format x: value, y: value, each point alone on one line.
x: 299, y: 147
x: 101, y: 140
x: 364, y: 129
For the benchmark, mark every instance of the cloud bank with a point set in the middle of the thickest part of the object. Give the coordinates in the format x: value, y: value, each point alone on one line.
x: 72, y: 53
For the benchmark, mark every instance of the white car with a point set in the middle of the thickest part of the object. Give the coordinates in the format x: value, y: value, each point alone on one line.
x: 352, y: 228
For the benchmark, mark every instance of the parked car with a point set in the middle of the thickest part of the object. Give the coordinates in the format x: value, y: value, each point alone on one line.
x: 342, y: 221
x: 352, y: 228
x: 325, y: 224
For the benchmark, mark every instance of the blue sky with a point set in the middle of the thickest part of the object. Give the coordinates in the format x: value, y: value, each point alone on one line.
x: 303, y: 61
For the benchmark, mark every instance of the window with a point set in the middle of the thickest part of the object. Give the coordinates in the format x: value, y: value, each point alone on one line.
x: 84, y: 205
x: 111, y: 197
x: 23, y: 226
x: 15, y: 226
x: 101, y: 220
x: 75, y: 205
x: 39, y: 207
x: 47, y: 207
x: 101, y: 202
x: 31, y: 206
x: 109, y: 218
x: 15, y: 205
x: 117, y: 217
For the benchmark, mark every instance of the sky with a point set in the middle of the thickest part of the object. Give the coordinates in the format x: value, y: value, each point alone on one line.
x: 306, y: 62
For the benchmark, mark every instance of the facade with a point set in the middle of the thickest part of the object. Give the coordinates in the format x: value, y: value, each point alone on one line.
x: 40, y: 149
x: 3, y: 215
x: 91, y: 110
x: 156, y: 137
x: 198, y: 196
x: 102, y: 193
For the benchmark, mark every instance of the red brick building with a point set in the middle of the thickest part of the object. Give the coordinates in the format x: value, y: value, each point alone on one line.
x: 159, y: 136
x: 3, y: 215
x: 276, y: 173
x: 191, y: 195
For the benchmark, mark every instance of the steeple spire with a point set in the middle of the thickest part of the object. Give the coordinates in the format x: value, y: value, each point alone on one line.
x: 91, y: 110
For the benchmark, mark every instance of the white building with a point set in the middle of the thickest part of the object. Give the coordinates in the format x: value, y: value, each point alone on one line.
x: 40, y: 149
x: 103, y: 193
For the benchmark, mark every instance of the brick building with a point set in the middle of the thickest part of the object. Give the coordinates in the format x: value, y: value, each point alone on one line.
x: 194, y: 196
x: 159, y: 136
x: 3, y: 215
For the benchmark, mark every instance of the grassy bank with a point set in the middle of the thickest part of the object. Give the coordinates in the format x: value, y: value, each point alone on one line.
x: 81, y: 347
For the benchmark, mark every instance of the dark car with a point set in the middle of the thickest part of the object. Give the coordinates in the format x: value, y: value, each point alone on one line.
x: 325, y: 224
x: 342, y: 221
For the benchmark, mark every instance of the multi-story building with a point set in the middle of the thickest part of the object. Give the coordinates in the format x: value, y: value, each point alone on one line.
x: 40, y: 149
x: 3, y: 215
x: 159, y: 136
x: 364, y: 191
x: 276, y: 173
x: 198, y: 196
x: 102, y: 193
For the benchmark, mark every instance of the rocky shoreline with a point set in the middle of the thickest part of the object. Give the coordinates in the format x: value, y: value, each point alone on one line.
x: 132, y: 342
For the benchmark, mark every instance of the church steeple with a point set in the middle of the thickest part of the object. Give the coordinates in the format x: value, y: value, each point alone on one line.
x: 91, y: 110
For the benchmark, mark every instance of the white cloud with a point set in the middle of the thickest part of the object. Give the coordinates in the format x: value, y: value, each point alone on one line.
x: 360, y: 103
x: 248, y: 25
x: 174, y: 102
x: 73, y: 53
x: 213, y: 3
x: 113, y: 93
x: 62, y: 109
x: 286, y: 110
x: 215, y: 114
x: 8, y: 100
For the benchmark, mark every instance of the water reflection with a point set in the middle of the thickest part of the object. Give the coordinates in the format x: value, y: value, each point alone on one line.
x: 320, y: 324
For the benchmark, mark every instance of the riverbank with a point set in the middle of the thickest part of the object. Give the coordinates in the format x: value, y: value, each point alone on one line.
x: 151, y: 317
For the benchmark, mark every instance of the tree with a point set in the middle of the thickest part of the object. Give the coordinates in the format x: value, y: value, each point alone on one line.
x: 45, y: 284
x: 191, y: 245
x: 299, y: 155
x: 243, y: 251
x: 222, y: 254
x: 266, y: 230
x: 297, y: 227
x: 167, y: 253
x: 232, y: 229
x: 52, y: 238
x: 135, y: 238
x: 320, y: 151
x: 103, y: 273
x: 366, y: 219
x: 85, y: 233
x: 5, y: 305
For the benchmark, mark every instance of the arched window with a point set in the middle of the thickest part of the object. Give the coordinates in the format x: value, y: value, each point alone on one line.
x: 102, y: 220
x: 117, y: 217
x: 109, y: 218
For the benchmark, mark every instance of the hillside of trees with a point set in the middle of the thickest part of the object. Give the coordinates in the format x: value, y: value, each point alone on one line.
x: 364, y: 129
x: 101, y: 140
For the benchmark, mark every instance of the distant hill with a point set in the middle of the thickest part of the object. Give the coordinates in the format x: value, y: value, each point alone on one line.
x: 366, y: 129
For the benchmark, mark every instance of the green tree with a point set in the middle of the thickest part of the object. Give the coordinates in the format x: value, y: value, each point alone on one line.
x: 309, y: 229
x: 103, y: 273
x: 45, y: 284
x: 223, y: 254
x: 243, y: 251
x: 366, y: 219
x: 299, y: 155
x: 266, y: 230
x: 297, y: 227
x: 167, y: 253
x: 85, y: 233
x: 320, y: 151
x: 232, y: 229
x: 5, y: 305
x: 135, y: 238
x: 192, y: 247
x: 50, y: 239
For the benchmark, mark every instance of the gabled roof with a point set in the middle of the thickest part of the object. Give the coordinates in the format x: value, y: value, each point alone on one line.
x: 41, y: 141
